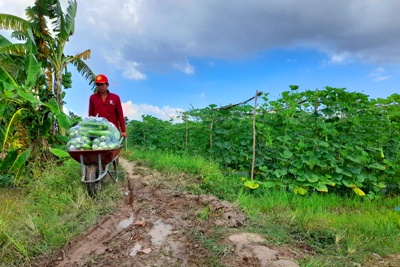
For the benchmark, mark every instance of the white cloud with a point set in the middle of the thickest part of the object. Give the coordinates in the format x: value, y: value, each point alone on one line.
x: 340, y: 58
x: 129, y: 68
x: 184, y: 67
x: 135, y: 111
x: 131, y: 72
x: 379, y: 74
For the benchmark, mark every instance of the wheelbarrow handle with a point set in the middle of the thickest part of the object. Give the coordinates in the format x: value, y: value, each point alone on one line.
x: 120, y: 141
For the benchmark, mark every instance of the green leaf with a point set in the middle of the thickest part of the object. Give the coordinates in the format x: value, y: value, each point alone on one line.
x: 59, y: 153
x: 280, y: 172
x: 53, y: 106
x: 377, y: 166
x: 29, y: 97
x: 347, y: 173
x: 287, y: 154
x: 7, y: 162
x: 269, y: 184
x: 32, y: 69
x: 298, y: 164
x: 322, y: 164
x: 284, y: 138
x: 293, y: 170
x: 20, y: 160
x: 321, y: 187
x: 347, y: 183
x: 63, y: 120
x: 313, y: 178
x: 302, y: 178
x: 361, y: 178
x: 354, y: 159
x: 63, y: 139
x: 355, y: 170
x: 7, y: 80
x: 46, y: 125
x: 251, y: 184
x: 300, y: 190
x: 380, y: 185
x: 323, y: 143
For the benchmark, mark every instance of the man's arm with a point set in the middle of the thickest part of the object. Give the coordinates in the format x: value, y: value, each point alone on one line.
x: 121, y: 119
x: 91, y: 107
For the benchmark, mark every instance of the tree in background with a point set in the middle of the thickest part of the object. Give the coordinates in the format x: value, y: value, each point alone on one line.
x: 31, y: 83
x: 50, y: 42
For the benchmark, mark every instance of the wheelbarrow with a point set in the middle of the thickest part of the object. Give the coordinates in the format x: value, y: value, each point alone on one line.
x: 95, y: 166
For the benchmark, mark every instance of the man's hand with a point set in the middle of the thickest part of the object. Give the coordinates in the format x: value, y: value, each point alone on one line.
x: 123, y: 134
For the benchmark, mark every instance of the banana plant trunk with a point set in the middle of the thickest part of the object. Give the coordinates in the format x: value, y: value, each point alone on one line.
x: 58, y: 94
x: 58, y: 88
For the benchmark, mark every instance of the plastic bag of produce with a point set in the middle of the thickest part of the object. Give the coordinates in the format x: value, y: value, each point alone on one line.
x: 79, y: 143
x: 93, y: 133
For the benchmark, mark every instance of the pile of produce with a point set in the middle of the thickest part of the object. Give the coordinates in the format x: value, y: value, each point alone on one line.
x: 93, y: 133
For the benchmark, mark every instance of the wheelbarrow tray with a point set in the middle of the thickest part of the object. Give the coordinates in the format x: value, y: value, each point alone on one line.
x: 92, y: 156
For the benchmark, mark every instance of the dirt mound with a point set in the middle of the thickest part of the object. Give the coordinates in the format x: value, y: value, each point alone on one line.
x: 155, y: 226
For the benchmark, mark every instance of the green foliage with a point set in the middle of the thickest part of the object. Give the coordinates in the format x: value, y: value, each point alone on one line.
x: 28, y: 115
x: 334, y: 228
x: 327, y: 140
x: 6, y: 180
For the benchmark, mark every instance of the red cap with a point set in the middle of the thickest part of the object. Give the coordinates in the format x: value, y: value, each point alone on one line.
x: 100, y: 79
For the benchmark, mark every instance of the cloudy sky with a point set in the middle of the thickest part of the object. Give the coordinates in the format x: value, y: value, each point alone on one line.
x: 162, y: 56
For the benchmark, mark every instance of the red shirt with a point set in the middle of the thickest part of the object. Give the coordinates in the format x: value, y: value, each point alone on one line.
x: 110, y: 109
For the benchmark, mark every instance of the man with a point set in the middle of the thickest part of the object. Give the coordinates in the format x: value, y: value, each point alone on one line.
x: 107, y: 105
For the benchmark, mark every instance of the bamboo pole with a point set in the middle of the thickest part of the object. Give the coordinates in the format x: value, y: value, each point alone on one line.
x: 254, y: 135
x: 211, y: 133
x: 186, y: 133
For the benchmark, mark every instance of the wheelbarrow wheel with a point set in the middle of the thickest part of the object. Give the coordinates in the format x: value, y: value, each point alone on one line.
x: 114, y: 172
x: 91, y: 174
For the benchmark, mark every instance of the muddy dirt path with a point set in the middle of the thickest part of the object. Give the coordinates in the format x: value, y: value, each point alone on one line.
x: 160, y: 226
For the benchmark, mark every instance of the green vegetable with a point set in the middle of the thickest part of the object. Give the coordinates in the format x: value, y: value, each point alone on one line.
x: 101, y: 126
x: 86, y: 147
x: 96, y: 141
x: 98, y: 133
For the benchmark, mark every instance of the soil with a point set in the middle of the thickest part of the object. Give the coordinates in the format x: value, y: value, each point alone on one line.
x: 158, y: 225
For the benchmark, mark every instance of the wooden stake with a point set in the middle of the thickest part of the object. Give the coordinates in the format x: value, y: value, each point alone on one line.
x: 254, y: 135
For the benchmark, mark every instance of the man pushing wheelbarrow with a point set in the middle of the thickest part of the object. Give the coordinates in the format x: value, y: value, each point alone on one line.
x: 96, y: 140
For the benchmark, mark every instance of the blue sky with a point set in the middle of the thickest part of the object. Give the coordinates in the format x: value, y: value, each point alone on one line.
x: 169, y: 55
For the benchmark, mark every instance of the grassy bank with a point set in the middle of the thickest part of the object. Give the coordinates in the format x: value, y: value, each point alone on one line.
x: 55, y: 209
x: 333, y: 230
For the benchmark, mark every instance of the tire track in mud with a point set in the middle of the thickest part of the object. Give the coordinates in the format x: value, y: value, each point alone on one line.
x: 155, y: 226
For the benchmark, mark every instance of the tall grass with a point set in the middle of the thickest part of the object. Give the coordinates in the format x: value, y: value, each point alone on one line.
x: 340, y: 230
x: 56, y: 209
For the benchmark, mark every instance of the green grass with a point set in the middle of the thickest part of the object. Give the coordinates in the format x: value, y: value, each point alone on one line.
x: 168, y: 162
x: 57, y: 208
x: 341, y: 230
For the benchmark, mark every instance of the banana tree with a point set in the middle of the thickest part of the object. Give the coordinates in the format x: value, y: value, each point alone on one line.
x: 23, y: 99
x: 50, y: 42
